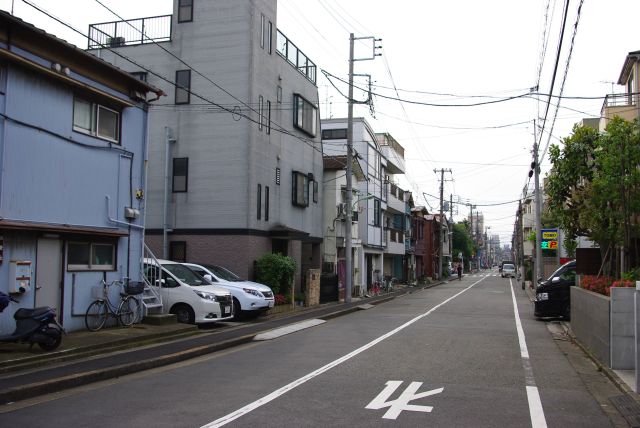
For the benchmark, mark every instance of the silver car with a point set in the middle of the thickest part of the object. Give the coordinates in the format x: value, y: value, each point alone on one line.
x: 508, y: 271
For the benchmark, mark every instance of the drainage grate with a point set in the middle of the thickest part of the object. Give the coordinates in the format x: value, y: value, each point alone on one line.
x: 628, y: 408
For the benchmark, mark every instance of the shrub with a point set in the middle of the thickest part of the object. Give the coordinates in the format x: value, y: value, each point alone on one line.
x: 597, y: 284
x: 276, y: 271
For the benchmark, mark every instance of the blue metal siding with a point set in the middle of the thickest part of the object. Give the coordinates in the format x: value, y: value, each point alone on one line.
x: 52, y: 174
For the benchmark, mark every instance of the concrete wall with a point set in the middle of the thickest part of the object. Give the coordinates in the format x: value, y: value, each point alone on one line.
x: 622, y: 329
x: 590, y: 322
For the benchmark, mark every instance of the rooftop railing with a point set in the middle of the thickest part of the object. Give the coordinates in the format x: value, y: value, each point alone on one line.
x: 130, y: 32
x: 295, y: 57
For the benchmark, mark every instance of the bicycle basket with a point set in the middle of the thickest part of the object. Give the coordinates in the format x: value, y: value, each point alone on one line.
x: 134, y: 287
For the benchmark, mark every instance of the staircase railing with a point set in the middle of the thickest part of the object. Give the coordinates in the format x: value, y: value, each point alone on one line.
x: 151, y: 298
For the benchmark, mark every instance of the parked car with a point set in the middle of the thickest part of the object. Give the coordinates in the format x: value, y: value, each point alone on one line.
x: 248, y: 296
x: 188, y: 295
x: 553, y: 296
x: 508, y: 271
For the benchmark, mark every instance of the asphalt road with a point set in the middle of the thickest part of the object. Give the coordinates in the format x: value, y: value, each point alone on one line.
x: 454, y: 355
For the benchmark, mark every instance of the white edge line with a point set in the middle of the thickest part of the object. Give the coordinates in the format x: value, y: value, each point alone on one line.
x: 536, y: 412
x: 283, y: 390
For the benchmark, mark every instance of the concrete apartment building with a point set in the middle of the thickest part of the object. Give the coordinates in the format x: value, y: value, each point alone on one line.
x: 370, y: 198
x: 235, y: 157
x: 396, y: 219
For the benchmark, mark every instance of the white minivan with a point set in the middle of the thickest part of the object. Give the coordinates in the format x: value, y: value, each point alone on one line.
x: 248, y: 296
x: 186, y: 294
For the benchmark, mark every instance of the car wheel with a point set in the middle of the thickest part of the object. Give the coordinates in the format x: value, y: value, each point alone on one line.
x: 184, y: 313
x: 237, y: 309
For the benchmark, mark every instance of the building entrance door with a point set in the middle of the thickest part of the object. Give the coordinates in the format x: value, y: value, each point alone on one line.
x: 49, y: 274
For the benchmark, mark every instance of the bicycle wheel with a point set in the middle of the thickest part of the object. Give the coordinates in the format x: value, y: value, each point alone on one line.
x: 129, y: 311
x: 96, y: 315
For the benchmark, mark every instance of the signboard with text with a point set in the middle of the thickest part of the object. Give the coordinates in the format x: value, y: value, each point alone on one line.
x: 549, y: 239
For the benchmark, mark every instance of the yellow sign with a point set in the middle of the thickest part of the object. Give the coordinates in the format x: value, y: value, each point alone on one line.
x: 550, y: 236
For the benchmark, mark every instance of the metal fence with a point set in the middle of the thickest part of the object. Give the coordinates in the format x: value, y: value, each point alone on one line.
x: 131, y: 32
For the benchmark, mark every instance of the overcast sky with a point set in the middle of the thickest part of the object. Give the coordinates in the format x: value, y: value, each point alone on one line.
x: 455, y: 53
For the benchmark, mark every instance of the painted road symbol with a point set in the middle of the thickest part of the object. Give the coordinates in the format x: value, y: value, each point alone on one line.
x: 402, y: 402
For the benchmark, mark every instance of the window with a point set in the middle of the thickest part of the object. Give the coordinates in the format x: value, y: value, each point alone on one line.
x: 279, y: 94
x: 91, y: 256
x: 266, y: 203
x: 260, y: 112
x: 262, y: 30
x: 95, y: 119
x: 268, y: 117
x: 270, y: 41
x: 185, y: 10
x: 304, y: 115
x: 376, y: 212
x: 300, y: 191
x: 178, y: 251
x: 183, y: 86
x: 180, y: 175
x: 140, y: 75
x: 259, y: 204
x: 315, y: 191
x: 334, y: 134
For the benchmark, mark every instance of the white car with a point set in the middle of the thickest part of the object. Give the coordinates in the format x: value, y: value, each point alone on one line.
x: 247, y: 295
x: 186, y: 294
x: 508, y: 271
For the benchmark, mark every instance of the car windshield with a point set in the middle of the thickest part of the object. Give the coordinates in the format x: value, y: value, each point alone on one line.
x: 185, y: 275
x: 223, y: 273
x: 557, y: 272
x: 507, y: 266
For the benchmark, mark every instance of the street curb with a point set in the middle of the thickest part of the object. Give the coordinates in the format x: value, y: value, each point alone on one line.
x: 71, y: 381
x: 613, y: 377
x: 24, y: 392
x: 96, y: 349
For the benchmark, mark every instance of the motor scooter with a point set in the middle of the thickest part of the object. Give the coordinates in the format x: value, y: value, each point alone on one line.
x: 36, y: 325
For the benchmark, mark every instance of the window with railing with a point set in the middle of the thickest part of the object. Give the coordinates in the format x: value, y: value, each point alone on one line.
x: 295, y: 57
x: 130, y: 32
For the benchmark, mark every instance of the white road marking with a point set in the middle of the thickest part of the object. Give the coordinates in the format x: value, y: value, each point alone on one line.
x: 283, y: 390
x: 402, y: 402
x: 288, y: 329
x: 536, y: 412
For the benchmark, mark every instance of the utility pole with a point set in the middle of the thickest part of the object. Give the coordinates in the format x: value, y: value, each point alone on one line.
x: 440, y: 251
x: 348, y: 246
x: 536, y: 169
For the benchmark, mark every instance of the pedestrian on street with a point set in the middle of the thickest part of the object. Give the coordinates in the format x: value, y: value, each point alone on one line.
x: 459, y: 272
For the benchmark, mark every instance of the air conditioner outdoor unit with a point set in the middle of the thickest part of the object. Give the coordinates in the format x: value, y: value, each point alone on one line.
x: 114, y: 42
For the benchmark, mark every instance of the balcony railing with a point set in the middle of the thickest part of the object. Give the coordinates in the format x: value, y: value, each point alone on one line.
x: 295, y: 57
x: 131, y: 32
x: 620, y: 100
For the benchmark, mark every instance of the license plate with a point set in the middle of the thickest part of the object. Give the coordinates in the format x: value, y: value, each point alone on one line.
x: 226, y: 310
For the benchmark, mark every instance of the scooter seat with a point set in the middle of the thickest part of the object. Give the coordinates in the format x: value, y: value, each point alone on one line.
x: 24, y: 313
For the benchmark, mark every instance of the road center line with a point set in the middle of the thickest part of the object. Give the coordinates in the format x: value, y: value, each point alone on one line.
x: 535, y: 405
x: 281, y: 391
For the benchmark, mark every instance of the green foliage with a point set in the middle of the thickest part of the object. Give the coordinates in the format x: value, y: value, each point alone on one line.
x: 276, y: 271
x: 462, y: 242
x: 570, y: 246
x: 593, y: 188
x: 632, y: 275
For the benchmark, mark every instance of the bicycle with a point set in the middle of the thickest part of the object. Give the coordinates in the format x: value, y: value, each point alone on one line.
x: 127, y: 312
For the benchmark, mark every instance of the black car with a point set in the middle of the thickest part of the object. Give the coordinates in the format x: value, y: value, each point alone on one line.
x: 553, y: 294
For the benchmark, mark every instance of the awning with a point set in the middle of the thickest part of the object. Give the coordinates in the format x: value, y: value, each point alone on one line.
x: 284, y: 232
x: 60, y: 228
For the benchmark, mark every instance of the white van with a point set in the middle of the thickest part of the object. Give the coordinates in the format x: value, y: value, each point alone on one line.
x: 186, y: 294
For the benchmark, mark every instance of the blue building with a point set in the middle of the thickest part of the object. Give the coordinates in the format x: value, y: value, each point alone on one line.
x: 73, y: 139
